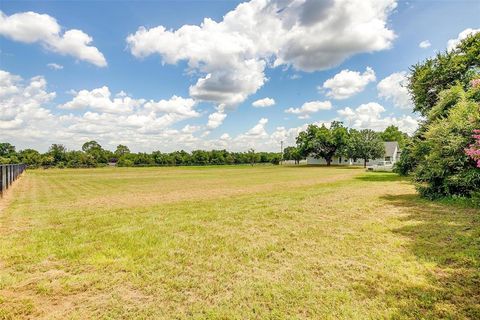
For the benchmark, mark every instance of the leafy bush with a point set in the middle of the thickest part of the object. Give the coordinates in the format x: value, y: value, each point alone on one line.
x: 444, y: 168
x: 446, y: 91
x: 123, y: 162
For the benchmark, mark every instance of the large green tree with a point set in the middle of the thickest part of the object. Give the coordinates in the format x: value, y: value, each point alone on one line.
x: 292, y: 153
x: 365, y: 144
x: 30, y: 157
x: 253, y: 157
x: 392, y: 133
x: 121, y: 150
x: 434, y: 75
x: 444, y: 168
x: 94, y: 149
x: 445, y: 93
x: 6, y: 149
x: 323, y: 142
x: 57, y: 152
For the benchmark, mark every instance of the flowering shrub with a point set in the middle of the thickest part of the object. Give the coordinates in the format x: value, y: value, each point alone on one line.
x: 473, y: 150
x: 475, y: 83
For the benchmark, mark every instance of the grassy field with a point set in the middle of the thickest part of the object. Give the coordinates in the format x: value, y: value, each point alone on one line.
x: 233, y: 243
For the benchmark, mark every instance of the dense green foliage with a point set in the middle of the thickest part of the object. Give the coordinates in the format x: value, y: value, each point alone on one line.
x: 292, y: 153
x: 444, y: 168
x: 429, y: 78
x: 445, y: 93
x: 93, y: 155
x: 365, y: 144
x: 323, y: 142
x: 392, y: 133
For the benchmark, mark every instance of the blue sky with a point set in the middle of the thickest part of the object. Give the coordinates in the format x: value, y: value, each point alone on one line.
x: 306, y: 43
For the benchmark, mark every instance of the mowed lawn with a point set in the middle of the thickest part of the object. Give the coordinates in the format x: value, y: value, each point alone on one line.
x: 242, y: 242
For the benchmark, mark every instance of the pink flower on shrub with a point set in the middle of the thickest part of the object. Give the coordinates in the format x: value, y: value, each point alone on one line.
x: 475, y: 83
x: 473, y: 150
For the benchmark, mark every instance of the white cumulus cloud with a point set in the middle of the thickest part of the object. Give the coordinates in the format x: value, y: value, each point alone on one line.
x: 259, y: 129
x: 346, y: 83
x: 424, y: 44
x: 23, y: 102
x: 310, y: 107
x: 452, y: 43
x: 262, y: 103
x: 369, y: 116
x: 230, y: 56
x: 29, y: 118
x: 215, y: 119
x: 32, y: 27
x: 394, y: 87
x: 99, y: 99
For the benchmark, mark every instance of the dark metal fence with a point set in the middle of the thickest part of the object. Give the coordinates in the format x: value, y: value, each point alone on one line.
x: 8, y: 174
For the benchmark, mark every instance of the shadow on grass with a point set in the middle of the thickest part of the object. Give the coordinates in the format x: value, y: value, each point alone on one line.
x: 448, y: 237
x: 317, y: 166
x: 380, y: 176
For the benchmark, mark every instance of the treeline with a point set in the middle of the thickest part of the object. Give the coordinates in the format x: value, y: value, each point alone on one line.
x: 444, y: 155
x: 93, y: 155
x: 340, y: 141
x: 319, y: 142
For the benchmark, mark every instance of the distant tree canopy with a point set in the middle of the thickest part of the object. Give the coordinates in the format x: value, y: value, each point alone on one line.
x: 94, y: 155
x: 316, y: 141
x: 446, y: 91
x: 121, y: 150
x: 366, y: 144
x: 392, y: 133
x: 323, y: 142
x: 6, y: 149
x: 292, y: 153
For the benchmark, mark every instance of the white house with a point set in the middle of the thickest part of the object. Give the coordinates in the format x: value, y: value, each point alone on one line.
x: 392, y: 153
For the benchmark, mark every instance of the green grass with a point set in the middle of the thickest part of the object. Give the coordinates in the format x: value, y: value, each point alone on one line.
x: 234, y: 243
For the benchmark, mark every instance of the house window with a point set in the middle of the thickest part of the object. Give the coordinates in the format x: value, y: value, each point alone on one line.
x: 388, y: 158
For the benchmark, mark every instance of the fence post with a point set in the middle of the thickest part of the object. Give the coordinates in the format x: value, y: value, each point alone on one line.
x: 7, y: 168
x: 8, y: 174
x: 4, y: 178
x: 1, y: 180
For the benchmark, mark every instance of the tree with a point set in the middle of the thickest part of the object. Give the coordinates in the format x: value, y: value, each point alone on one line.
x: 292, y: 153
x: 6, y: 149
x: 30, y: 157
x: 200, y: 157
x: 392, y: 133
x: 57, y: 152
x: 94, y: 149
x: 444, y: 169
x: 121, y: 150
x: 252, y: 157
x: 48, y: 160
x: 446, y: 91
x: 365, y: 144
x: 275, y: 158
x: 90, y: 146
x: 434, y: 75
x: 79, y: 159
x: 323, y: 142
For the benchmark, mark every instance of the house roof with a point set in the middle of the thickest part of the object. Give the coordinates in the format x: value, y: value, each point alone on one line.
x: 390, y: 147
